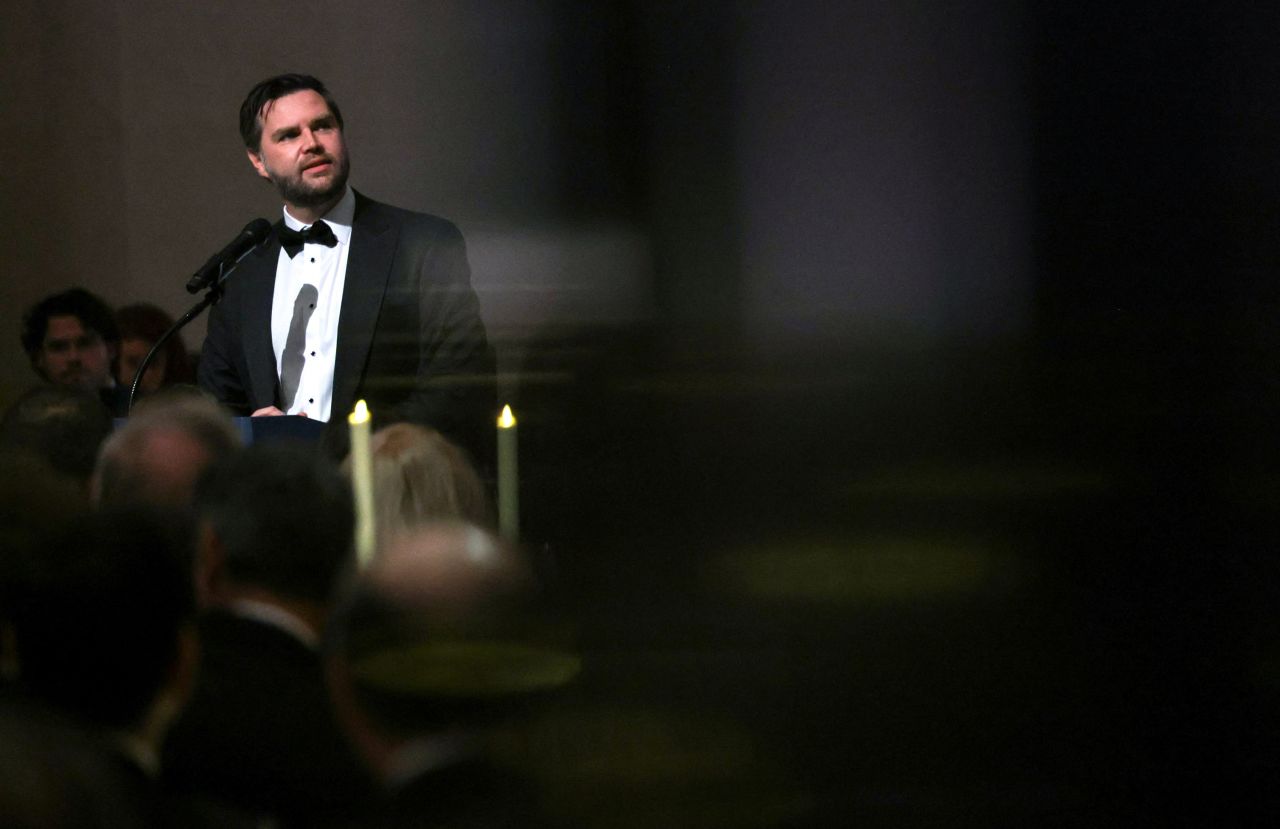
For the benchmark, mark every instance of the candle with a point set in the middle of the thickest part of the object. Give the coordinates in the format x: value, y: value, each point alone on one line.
x: 508, y: 477
x: 362, y: 483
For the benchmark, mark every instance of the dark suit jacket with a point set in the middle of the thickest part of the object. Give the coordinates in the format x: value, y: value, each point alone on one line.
x: 56, y: 770
x: 258, y: 731
x: 467, y: 795
x: 410, y: 339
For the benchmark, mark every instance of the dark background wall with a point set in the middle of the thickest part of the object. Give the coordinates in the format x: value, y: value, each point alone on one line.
x: 897, y: 379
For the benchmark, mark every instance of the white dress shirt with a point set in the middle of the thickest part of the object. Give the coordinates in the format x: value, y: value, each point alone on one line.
x: 326, y: 269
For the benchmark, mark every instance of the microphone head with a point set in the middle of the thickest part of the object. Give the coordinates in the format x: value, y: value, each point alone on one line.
x: 257, y: 230
x: 223, y: 261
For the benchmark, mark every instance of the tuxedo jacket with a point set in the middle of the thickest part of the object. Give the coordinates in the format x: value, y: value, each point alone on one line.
x: 472, y: 794
x: 410, y: 339
x: 258, y: 731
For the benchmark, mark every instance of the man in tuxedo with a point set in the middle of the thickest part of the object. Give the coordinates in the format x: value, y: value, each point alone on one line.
x: 348, y: 298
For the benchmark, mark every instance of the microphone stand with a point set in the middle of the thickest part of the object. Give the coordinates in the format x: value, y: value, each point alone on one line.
x: 211, y: 297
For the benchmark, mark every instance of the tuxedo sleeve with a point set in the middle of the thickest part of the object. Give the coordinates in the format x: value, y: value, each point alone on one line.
x: 453, y: 384
x: 222, y: 364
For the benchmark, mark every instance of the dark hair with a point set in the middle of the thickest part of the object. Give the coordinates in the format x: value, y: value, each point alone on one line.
x: 97, y: 628
x: 146, y: 322
x: 285, y: 518
x: 62, y: 426
x: 268, y: 91
x: 128, y: 473
x: 92, y: 312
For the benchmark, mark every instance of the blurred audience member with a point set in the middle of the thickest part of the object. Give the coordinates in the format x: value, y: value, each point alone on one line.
x: 48, y: 441
x: 419, y: 476
x: 141, y: 325
x: 259, y: 732
x: 104, y: 636
x: 35, y: 503
x: 55, y: 774
x: 51, y: 773
x: 434, y: 651
x: 158, y: 455
x: 72, y: 340
x: 63, y: 427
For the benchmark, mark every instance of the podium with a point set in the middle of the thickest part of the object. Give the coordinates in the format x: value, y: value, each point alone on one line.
x: 280, y: 428
x: 267, y: 429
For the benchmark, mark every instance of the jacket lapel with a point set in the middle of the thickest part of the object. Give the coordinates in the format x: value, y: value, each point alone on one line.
x: 258, y: 277
x: 373, y: 244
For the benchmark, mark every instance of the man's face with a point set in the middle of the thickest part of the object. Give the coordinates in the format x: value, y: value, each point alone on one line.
x: 302, y: 152
x: 72, y: 355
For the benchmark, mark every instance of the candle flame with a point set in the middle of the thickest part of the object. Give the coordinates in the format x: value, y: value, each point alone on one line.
x: 360, y: 414
x: 507, y: 420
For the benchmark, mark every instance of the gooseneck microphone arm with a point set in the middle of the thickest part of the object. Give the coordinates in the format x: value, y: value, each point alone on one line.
x: 211, y: 275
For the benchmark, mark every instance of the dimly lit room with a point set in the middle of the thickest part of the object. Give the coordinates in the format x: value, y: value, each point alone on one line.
x: 886, y: 440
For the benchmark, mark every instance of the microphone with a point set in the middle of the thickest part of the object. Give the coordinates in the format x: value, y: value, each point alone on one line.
x: 249, y: 238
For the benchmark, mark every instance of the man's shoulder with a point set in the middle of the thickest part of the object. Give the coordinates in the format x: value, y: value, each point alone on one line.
x: 412, y: 221
x: 241, y: 638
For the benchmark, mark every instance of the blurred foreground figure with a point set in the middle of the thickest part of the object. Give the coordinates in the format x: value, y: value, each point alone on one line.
x: 61, y: 427
x: 53, y: 772
x: 259, y: 733
x: 158, y: 455
x: 141, y: 325
x: 419, y: 476
x: 436, y: 649
x: 72, y: 340
x: 105, y: 629
x: 106, y: 657
x: 54, y: 775
x: 35, y: 504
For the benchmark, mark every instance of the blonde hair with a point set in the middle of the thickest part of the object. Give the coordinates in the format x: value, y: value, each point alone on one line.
x: 419, y: 476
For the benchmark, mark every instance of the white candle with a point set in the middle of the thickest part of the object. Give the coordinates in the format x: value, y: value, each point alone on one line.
x: 362, y: 483
x: 508, y: 477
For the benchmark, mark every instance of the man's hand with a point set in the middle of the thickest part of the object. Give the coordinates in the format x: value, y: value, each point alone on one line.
x: 272, y: 411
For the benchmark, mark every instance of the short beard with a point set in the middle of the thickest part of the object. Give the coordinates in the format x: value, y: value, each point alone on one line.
x: 295, y: 191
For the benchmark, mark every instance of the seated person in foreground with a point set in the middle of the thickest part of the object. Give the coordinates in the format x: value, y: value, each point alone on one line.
x: 106, y: 653
x: 159, y: 454
x: 35, y: 504
x: 259, y: 733
x: 437, y: 650
x: 419, y: 476
x: 62, y: 427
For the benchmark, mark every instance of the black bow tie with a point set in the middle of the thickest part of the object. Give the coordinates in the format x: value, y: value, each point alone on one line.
x: 318, y: 234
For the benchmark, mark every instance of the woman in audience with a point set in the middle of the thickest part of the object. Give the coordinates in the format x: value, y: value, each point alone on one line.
x: 141, y: 325
x: 418, y: 476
